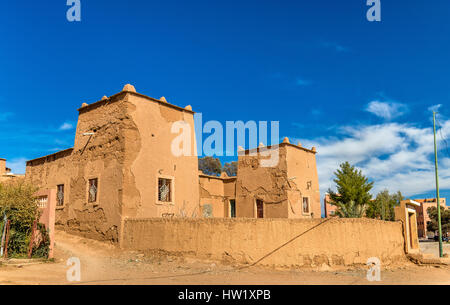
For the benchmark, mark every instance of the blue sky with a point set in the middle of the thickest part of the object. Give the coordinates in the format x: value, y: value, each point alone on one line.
x: 360, y: 91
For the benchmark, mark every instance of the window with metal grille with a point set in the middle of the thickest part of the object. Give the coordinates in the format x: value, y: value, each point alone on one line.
x: 164, y: 190
x: 305, y: 205
x: 60, y: 195
x: 207, y: 210
x: 93, y: 190
x: 42, y: 202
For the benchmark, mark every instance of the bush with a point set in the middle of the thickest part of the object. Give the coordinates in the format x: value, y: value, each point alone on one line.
x: 18, y: 203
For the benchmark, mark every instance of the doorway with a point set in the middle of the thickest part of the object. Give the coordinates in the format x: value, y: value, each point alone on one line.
x: 233, y: 208
x: 259, y: 208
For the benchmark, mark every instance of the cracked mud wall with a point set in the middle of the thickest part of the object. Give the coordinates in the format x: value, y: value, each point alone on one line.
x: 281, y: 187
x: 100, y: 156
x: 216, y: 192
x: 334, y: 244
x: 129, y: 150
x: 268, y: 184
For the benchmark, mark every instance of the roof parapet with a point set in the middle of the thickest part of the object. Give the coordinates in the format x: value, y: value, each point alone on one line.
x: 129, y: 88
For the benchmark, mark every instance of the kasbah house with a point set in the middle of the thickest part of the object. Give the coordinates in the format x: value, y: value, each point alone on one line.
x: 121, y: 167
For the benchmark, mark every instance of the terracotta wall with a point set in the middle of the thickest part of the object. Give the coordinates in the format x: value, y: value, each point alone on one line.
x: 338, y: 242
x: 329, y: 209
x: 281, y: 187
x: 99, y: 156
x: 149, y: 157
x: 264, y: 183
x: 124, y: 141
x: 2, y: 166
x: 304, y: 181
x: 47, y: 215
x: 216, y: 193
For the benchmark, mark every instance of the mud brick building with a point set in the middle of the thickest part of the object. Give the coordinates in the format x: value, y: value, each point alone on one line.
x: 5, y: 173
x: 122, y: 167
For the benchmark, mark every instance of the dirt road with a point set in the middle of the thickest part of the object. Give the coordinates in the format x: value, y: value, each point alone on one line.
x: 104, y: 264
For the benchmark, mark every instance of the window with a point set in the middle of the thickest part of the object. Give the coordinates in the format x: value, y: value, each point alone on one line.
x: 164, y: 190
x: 305, y: 205
x: 259, y: 209
x: 207, y: 210
x: 42, y: 202
x: 60, y: 195
x: 93, y: 190
x: 232, y: 208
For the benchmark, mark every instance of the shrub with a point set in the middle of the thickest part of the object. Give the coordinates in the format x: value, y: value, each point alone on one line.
x: 18, y: 203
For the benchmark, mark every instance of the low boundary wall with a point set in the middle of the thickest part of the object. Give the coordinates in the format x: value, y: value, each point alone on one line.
x: 337, y: 242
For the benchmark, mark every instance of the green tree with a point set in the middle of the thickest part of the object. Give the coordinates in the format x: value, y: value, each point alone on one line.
x: 210, y: 166
x: 383, y: 205
x: 18, y: 203
x: 230, y: 168
x: 351, y: 210
x: 352, y: 196
x: 432, y: 225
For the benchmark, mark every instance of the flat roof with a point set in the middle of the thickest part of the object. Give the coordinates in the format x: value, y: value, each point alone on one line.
x: 54, y: 154
x: 281, y: 144
x: 98, y: 103
x: 217, y: 177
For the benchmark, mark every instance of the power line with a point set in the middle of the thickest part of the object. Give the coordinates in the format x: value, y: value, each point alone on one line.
x: 209, y: 271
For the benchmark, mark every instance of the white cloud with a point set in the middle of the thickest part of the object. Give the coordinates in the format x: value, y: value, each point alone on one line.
x: 66, y: 126
x: 394, y: 156
x: 435, y: 108
x: 386, y: 110
x: 17, y: 165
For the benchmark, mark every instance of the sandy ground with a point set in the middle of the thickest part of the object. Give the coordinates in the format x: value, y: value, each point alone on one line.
x: 104, y: 264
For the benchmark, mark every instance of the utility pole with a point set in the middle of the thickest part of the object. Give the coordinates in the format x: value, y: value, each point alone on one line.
x: 441, y: 253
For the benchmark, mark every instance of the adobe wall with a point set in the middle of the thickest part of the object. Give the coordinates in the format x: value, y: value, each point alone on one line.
x: 100, y: 156
x: 2, y: 166
x: 303, y: 181
x: 211, y: 191
x: 149, y: 156
x: 216, y: 191
x: 336, y: 243
x: 265, y: 183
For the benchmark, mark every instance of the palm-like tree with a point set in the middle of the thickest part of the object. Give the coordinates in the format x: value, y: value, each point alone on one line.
x: 351, y: 210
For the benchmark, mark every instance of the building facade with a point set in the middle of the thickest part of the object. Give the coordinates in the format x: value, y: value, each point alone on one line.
x: 122, y: 166
x: 6, y: 174
x: 329, y: 209
x: 423, y: 217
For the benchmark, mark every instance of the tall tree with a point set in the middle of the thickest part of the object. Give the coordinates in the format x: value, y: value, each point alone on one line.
x: 230, y: 168
x: 352, y: 196
x: 432, y: 225
x: 383, y: 205
x: 210, y: 166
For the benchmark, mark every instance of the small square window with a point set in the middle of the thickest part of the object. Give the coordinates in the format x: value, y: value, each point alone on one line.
x: 60, y: 195
x: 207, y: 210
x: 305, y: 205
x: 42, y: 202
x: 93, y: 190
x: 164, y: 190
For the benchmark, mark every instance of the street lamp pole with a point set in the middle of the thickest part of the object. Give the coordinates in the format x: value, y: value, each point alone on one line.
x: 441, y: 253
